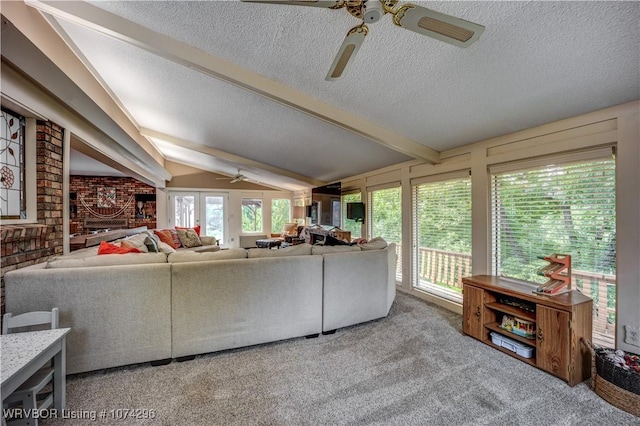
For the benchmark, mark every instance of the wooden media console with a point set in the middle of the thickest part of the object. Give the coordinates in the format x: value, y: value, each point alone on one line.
x: 559, y: 322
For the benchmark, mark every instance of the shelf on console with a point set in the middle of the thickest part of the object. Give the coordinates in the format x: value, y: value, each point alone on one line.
x: 496, y: 306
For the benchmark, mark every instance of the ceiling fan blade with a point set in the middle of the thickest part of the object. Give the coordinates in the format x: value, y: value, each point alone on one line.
x: 438, y: 25
x: 328, y: 4
x: 347, y: 52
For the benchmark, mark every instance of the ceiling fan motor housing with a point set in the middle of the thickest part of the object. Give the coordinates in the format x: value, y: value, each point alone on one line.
x: 372, y: 11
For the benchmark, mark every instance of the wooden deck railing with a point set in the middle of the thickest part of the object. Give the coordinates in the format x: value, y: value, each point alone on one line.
x: 446, y: 269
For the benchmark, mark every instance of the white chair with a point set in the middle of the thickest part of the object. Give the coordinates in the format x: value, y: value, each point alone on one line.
x: 29, y: 395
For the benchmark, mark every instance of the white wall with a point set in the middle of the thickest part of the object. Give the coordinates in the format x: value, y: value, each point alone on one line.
x: 617, y: 126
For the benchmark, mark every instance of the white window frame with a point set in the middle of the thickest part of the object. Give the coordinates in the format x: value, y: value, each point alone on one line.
x: 30, y: 170
x: 433, y: 289
x: 262, y: 207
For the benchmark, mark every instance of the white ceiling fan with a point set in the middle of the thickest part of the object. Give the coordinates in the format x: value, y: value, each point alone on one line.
x: 238, y: 177
x: 447, y: 28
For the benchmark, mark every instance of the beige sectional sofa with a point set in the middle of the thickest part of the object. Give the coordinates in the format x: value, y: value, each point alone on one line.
x: 132, y: 308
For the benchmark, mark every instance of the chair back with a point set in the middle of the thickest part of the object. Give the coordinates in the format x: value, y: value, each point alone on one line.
x: 29, y: 319
x: 289, y: 229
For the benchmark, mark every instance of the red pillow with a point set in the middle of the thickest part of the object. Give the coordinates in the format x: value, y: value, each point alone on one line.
x: 166, y: 236
x: 109, y: 248
x: 195, y: 228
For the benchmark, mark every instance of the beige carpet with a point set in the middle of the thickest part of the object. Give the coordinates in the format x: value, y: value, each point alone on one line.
x: 414, y: 367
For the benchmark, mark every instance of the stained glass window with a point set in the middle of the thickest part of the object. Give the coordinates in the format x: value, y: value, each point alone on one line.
x: 12, y: 185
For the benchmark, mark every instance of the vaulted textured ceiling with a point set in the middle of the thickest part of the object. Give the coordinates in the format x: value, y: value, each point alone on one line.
x: 536, y: 62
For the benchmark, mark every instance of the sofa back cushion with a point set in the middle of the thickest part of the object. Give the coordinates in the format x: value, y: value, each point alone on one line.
x: 193, y: 256
x: 108, y: 260
x: 333, y: 249
x: 299, y: 250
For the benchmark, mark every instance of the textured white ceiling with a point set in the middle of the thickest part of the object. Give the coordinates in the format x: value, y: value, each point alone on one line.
x: 536, y: 62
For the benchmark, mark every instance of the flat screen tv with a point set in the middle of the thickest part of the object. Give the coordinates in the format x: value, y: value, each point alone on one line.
x: 355, y: 211
x: 325, y: 205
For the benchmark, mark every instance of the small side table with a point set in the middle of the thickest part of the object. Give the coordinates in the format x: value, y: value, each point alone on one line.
x: 24, y: 353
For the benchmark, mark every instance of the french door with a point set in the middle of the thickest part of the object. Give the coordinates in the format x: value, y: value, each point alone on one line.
x: 207, y: 209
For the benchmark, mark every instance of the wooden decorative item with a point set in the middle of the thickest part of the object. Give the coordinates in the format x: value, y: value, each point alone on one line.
x: 559, y: 273
x: 106, y: 197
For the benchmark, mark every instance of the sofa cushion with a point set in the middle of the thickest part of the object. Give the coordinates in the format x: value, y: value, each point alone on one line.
x: 208, y: 241
x: 203, y: 248
x: 193, y: 256
x: 111, y: 248
x: 333, y: 249
x: 298, y: 250
x: 377, y: 243
x: 189, y: 238
x: 109, y: 260
x: 79, y: 254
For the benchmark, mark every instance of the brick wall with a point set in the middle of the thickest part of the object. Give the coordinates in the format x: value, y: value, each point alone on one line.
x: 86, y: 189
x: 28, y: 244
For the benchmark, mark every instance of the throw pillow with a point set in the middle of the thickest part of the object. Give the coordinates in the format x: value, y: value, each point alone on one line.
x: 110, y: 248
x: 189, y: 238
x: 166, y: 248
x: 136, y: 241
x: 151, y: 242
x: 166, y: 236
x: 176, y: 240
x: 195, y: 228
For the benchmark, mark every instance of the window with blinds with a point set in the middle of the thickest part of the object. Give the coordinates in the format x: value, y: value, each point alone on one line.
x: 349, y: 224
x: 442, y: 234
x: 384, y: 218
x: 567, y: 207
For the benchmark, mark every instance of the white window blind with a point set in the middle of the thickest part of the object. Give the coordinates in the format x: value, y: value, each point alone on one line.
x: 349, y: 224
x: 566, y: 208
x: 442, y: 235
x: 384, y: 218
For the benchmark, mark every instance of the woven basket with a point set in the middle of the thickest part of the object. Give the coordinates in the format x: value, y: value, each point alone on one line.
x: 613, y: 394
